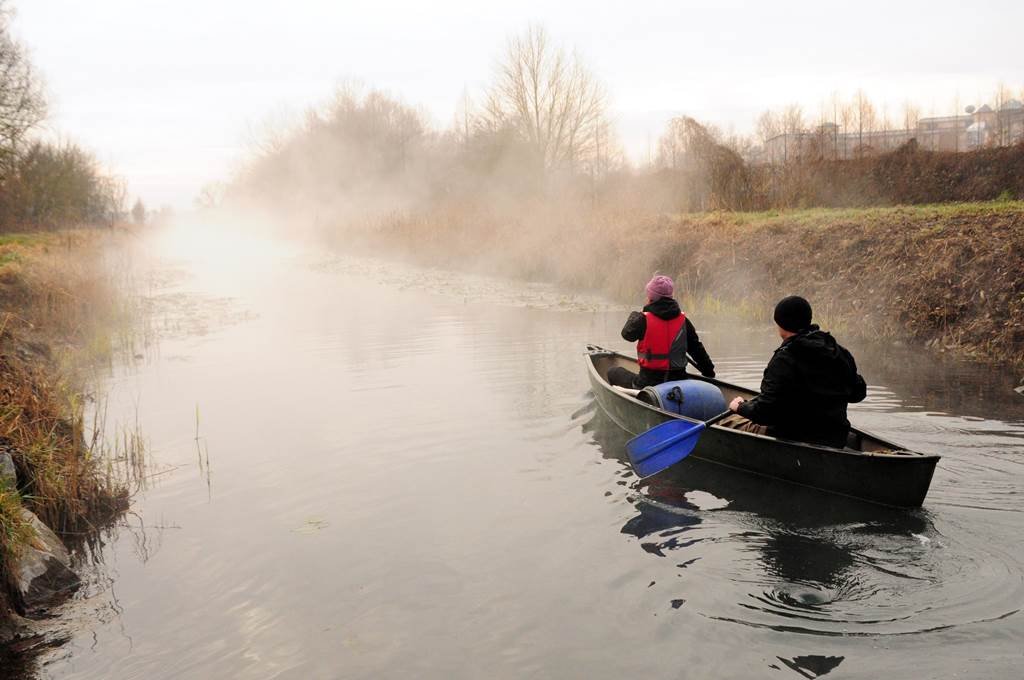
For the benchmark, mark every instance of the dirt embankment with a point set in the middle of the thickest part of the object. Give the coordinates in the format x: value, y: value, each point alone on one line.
x: 60, y: 308
x: 908, y: 175
x: 948, y: 276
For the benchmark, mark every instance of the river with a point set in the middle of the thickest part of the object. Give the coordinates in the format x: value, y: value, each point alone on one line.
x: 360, y: 469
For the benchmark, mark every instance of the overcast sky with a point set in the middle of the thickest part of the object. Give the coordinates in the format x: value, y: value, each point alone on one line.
x: 166, y: 92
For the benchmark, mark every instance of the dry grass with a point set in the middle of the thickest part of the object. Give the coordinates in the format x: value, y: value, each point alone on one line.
x: 947, y: 275
x: 61, y: 311
x: 14, y: 531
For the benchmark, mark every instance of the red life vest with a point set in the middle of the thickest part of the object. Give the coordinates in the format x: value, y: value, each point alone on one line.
x: 655, y: 350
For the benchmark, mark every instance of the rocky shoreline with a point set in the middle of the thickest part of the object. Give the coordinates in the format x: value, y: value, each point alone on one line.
x: 60, y: 304
x: 39, y: 573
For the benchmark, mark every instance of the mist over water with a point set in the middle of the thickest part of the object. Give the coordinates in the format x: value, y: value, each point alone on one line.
x: 365, y: 469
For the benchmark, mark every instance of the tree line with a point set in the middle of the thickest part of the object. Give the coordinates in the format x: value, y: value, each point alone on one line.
x: 541, y: 128
x: 541, y: 132
x: 43, y: 184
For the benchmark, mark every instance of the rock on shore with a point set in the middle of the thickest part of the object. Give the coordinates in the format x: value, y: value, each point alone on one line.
x: 8, y: 473
x: 42, y: 575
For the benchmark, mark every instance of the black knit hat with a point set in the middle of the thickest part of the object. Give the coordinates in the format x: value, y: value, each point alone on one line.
x: 793, y: 313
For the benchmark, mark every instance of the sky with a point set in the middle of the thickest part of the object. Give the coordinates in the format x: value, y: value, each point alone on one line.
x: 171, y: 94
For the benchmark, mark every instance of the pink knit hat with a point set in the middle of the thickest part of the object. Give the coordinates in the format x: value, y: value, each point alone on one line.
x: 658, y: 287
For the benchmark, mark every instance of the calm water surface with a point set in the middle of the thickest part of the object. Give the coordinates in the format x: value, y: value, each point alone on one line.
x: 401, y: 473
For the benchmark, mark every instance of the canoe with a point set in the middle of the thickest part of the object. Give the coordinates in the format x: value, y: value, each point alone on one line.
x: 869, y: 467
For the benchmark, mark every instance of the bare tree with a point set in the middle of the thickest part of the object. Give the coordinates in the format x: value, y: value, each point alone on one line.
x: 885, y: 125
x: 670, y: 148
x: 549, y: 98
x: 270, y: 134
x: 211, y: 196
x: 793, y: 126
x: 911, y: 114
x: 22, y: 104
x: 768, y: 126
x: 824, y: 131
x: 1000, y: 98
x: 60, y: 185
x: 711, y: 174
x: 793, y: 119
x: 139, y: 212
x: 847, y: 118
x: 956, y: 115
x: 835, y: 103
x: 607, y: 150
x: 463, y: 123
x: 865, y: 119
x: 112, y: 193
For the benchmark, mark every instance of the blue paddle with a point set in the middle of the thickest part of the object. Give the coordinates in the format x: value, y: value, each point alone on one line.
x: 665, y: 445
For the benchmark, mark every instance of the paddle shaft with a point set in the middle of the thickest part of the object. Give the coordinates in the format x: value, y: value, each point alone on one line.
x: 687, y: 434
x: 650, y: 458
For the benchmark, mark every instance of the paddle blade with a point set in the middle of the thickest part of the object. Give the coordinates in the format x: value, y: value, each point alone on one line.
x: 663, y: 446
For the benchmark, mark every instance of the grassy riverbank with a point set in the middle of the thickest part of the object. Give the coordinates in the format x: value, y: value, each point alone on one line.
x: 949, y: 276
x: 59, y: 308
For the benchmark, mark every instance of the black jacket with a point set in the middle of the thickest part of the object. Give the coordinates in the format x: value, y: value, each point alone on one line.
x: 806, y: 387
x: 667, y: 309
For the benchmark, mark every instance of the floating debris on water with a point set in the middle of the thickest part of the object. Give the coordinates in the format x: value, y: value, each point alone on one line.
x: 311, y: 526
x: 468, y: 287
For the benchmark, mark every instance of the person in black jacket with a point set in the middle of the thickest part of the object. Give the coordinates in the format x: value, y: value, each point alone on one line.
x: 672, y: 364
x: 807, y: 384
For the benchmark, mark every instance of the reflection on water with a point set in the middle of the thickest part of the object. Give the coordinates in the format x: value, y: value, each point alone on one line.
x: 369, y: 470
x: 798, y: 560
x: 811, y: 666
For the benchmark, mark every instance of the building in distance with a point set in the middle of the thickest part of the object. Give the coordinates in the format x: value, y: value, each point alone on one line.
x: 976, y: 128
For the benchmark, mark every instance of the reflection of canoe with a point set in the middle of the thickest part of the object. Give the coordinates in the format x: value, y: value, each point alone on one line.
x: 869, y: 468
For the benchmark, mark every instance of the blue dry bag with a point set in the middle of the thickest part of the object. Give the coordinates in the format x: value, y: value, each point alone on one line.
x: 691, y: 398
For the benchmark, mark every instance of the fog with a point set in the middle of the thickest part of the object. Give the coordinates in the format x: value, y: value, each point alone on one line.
x: 167, y: 93
x: 368, y: 246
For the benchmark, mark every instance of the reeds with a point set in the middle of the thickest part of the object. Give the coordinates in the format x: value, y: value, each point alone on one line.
x: 14, y: 531
x: 63, y: 313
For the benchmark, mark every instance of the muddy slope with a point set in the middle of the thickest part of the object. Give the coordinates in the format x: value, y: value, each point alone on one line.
x: 947, y: 276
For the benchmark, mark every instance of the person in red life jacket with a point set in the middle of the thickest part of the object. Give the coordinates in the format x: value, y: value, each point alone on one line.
x: 806, y: 386
x: 664, y: 337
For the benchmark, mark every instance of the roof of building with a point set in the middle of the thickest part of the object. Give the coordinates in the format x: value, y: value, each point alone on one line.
x: 943, y: 119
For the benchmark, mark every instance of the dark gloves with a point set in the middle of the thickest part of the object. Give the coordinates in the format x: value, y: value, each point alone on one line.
x: 635, y: 328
